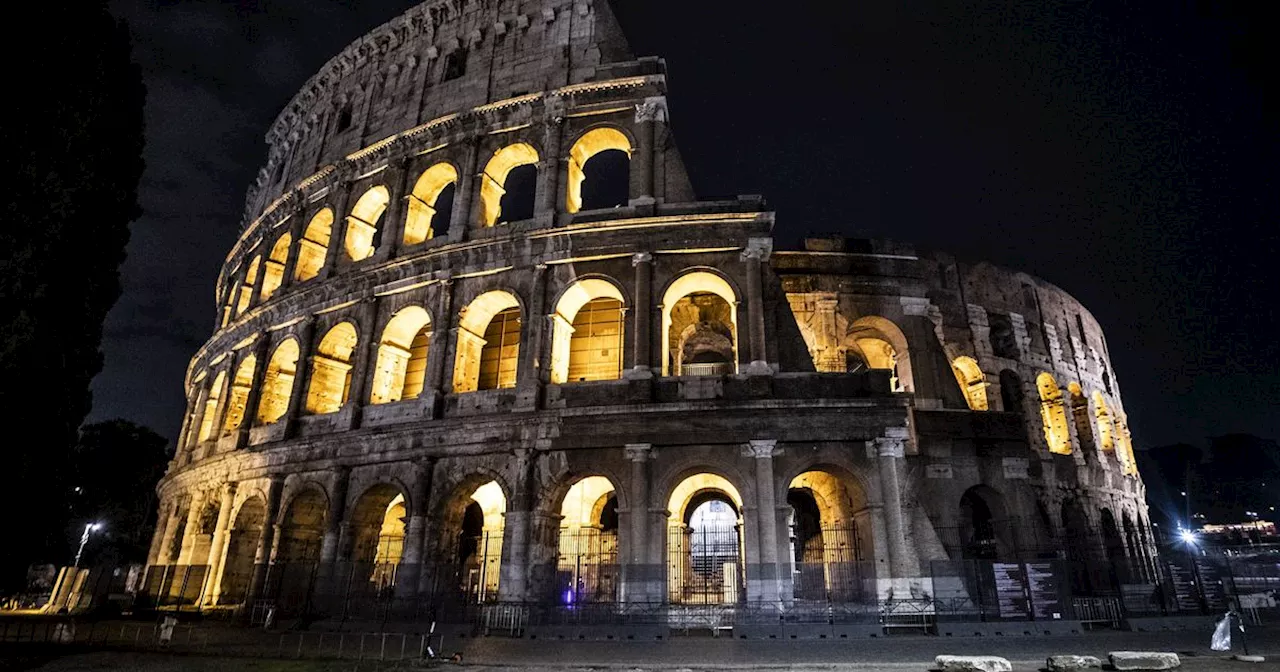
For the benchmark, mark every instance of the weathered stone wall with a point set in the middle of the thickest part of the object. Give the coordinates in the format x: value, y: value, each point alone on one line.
x: 911, y: 382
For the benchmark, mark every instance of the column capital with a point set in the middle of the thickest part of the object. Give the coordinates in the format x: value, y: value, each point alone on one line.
x: 761, y: 448
x: 654, y: 108
x: 229, y: 489
x: 641, y: 258
x: 758, y: 249
x: 639, y: 452
x: 890, y: 447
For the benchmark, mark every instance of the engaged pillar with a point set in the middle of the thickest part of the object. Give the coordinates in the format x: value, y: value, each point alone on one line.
x: 642, y: 341
x: 641, y: 578
x: 904, y: 566
x: 766, y: 571
x: 217, y: 547
x: 756, y: 253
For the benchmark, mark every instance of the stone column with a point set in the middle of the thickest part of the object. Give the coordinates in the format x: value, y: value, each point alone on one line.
x: 165, y: 512
x: 828, y: 357
x: 648, y: 115
x: 552, y: 167
x: 366, y: 357
x: 463, y: 218
x: 197, y: 421
x: 643, y: 331
x: 640, y: 575
x: 512, y: 583
x: 298, y: 391
x: 890, y: 454
x: 441, y: 322
x: 766, y: 572
x: 267, y: 542
x: 337, y: 251
x: 251, y: 401
x: 756, y: 252
x: 528, y: 378
x: 218, y: 545
x: 297, y: 228
x: 411, y: 557
x: 180, y: 448
x: 164, y: 555
x: 189, y: 530
x: 391, y: 231
x: 330, y: 545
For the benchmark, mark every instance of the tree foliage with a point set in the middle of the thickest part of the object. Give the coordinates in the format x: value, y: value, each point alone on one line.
x: 73, y: 136
x: 112, y: 476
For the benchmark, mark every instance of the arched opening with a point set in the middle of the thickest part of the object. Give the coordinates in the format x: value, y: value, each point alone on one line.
x: 1080, y: 416
x: 586, y: 343
x: 1113, y: 544
x: 1102, y: 418
x: 401, y: 367
x: 830, y: 537
x: 1053, y: 415
x: 476, y: 521
x: 877, y: 343
x: 599, y: 171
x: 277, y: 383
x: 972, y: 383
x: 331, y: 370
x: 587, y: 565
x: 241, y: 552
x: 377, y: 528
x: 1124, y: 447
x: 1079, y: 543
x: 1010, y: 391
x: 210, y: 416
x: 240, y: 386
x: 1133, y: 548
x: 430, y: 204
x: 297, y: 559
x: 488, y: 348
x: 507, y: 194
x: 246, y: 287
x: 363, y: 231
x: 273, y: 273
x: 985, y: 530
x: 700, y: 326
x: 704, y: 542
x: 313, y: 247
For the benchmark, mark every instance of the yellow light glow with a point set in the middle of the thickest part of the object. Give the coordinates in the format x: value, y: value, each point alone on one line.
x: 211, y: 406
x: 475, y: 352
x: 274, y: 271
x: 972, y: 383
x: 1054, y: 415
x: 240, y: 386
x: 587, y: 345
x: 362, y: 224
x: 591, y: 143
x: 696, y: 282
x: 331, y: 370
x: 584, y: 502
x: 693, y: 485
x: 402, y: 357
x: 277, y: 384
x: 313, y: 247
x: 493, y: 180
x: 422, y: 202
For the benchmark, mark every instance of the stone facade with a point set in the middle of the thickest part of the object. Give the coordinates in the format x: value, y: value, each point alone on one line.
x: 411, y: 390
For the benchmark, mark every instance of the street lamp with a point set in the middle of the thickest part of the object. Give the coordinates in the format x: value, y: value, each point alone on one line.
x: 84, y: 539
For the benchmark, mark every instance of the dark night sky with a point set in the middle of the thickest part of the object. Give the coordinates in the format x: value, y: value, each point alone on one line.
x: 1127, y: 153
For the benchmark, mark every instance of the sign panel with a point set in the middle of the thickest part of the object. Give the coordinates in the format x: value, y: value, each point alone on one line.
x: 1045, y: 590
x: 1011, y: 590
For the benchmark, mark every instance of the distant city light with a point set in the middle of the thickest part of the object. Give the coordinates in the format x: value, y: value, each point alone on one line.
x: 1188, y: 536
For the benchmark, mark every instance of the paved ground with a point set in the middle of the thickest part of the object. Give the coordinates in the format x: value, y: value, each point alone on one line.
x: 701, y: 654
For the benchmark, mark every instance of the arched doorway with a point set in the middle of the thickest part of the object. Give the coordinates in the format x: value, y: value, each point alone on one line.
x: 587, y: 565
x: 1078, y: 542
x: 830, y: 537
x: 240, y: 554
x: 700, y: 326
x: 1113, y: 544
x: 473, y: 531
x: 984, y: 526
x: 704, y: 542
x: 377, y: 525
x: 298, y: 556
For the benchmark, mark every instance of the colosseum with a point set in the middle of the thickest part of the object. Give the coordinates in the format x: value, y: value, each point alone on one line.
x: 480, y: 353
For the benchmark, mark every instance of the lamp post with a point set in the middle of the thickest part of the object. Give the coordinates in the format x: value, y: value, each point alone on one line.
x: 89, y: 528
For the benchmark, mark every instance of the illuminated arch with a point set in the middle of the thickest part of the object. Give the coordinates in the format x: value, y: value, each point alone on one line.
x: 246, y: 287
x: 1124, y: 446
x: 377, y: 527
x: 587, y: 565
x: 277, y: 384
x: 331, y: 370
x: 1053, y: 414
x: 705, y: 572
x: 1080, y: 416
x: 423, y: 201
x: 273, y: 274
x: 211, y: 406
x: 402, y: 357
x: 239, y: 396
x: 313, y: 247
x: 590, y: 144
x: 685, y: 286
x: 362, y: 223
x: 878, y: 343
x: 587, y: 344
x: 488, y: 347
x: 1102, y: 417
x: 972, y: 383
x: 830, y: 532
x: 472, y: 526
x: 493, y: 180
